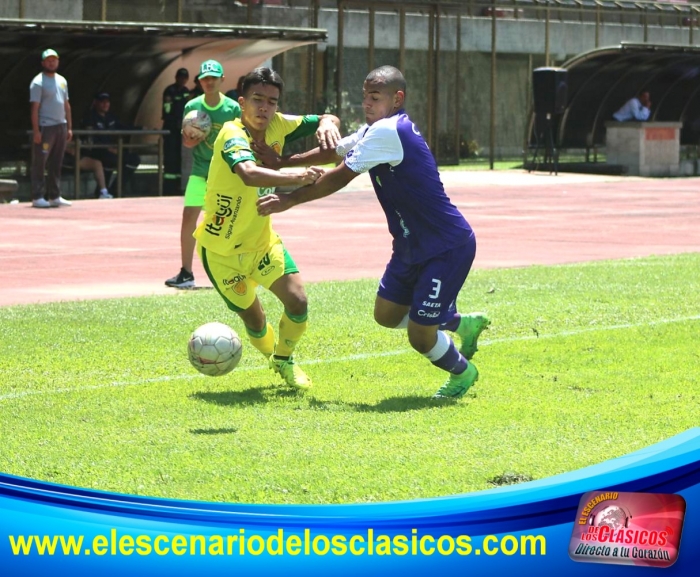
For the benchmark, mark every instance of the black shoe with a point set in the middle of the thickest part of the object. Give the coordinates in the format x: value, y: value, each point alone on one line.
x: 182, y: 280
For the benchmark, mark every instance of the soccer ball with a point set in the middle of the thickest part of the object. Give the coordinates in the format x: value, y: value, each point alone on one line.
x: 196, y: 124
x: 214, y: 349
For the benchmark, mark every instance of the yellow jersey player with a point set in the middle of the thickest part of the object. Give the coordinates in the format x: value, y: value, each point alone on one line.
x: 239, y: 249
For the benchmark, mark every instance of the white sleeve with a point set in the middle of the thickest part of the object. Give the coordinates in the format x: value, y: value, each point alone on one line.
x: 379, y: 145
x: 347, y: 143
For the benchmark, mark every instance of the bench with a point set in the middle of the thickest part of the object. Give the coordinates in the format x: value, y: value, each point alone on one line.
x: 8, y: 189
x: 17, y: 182
x: 120, y: 135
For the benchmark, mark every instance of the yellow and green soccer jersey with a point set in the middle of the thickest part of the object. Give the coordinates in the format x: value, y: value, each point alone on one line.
x: 231, y: 224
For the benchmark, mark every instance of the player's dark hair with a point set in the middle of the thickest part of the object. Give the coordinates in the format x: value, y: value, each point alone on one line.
x: 388, y: 76
x: 263, y: 76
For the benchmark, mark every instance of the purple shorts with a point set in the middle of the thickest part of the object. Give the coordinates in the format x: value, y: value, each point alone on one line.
x: 430, y: 288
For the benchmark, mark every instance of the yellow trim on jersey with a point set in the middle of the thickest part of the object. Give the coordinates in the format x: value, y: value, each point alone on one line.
x: 231, y: 223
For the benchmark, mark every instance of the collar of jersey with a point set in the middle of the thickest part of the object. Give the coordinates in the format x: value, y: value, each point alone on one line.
x: 221, y: 102
x: 239, y: 123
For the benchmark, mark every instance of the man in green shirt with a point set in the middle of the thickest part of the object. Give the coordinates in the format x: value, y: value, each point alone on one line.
x: 220, y: 109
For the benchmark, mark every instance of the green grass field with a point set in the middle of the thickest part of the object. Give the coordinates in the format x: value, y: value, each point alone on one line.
x: 583, y: 363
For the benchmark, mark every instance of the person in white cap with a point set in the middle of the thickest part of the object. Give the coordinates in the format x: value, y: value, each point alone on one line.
x: 52, y: 129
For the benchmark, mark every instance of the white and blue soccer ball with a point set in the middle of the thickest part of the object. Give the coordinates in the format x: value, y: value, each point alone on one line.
x: 196, y: 124
x: 214, y: 349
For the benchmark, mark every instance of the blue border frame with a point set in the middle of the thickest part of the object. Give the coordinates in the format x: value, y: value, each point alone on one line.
x: 545, y: 507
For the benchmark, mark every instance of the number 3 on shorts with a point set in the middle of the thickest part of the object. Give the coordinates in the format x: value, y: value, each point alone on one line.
x: 437, y: 283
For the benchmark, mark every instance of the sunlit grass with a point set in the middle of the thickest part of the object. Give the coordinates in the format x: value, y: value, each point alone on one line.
x: 582, y: 363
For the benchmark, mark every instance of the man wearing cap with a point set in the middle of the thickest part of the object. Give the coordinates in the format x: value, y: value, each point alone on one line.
x: 52, y: 129
x: 220, y: 109
x: 175, y: 97
x: 100, y: 118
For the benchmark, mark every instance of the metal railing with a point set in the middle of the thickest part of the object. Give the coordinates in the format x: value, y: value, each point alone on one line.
x: 642, y: 12
x: 120, y: 145
x: 326, y: 82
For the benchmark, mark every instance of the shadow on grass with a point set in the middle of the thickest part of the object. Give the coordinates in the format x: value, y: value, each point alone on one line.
x: 227, y: 431
x: 403, y: 404
x: 253, y: 396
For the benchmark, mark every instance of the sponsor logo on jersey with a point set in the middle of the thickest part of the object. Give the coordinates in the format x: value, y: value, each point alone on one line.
x: 223, y: 211
x: 236, y: 141
x: 428, y: 314
x: 234, y: 216
x: 239, y: 155
x: 406, y: 232
x: 237, y: 284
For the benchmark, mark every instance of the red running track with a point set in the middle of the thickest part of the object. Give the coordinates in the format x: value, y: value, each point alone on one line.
x: 128, y: 247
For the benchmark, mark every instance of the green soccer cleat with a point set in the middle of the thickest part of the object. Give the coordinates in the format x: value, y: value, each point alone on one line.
x: 291, y: 373
x: 469, y: 329
x: 457, y: 385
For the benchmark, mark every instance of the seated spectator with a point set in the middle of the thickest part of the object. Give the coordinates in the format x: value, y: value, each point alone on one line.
x: 100, y: 118
x: 91, y: 164
x: 637, y: 108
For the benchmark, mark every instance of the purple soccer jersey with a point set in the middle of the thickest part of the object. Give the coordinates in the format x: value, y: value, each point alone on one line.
x: 422, y: 220
x: 433, y: 244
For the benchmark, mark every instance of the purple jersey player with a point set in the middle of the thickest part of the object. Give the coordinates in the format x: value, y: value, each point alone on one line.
x: 433, y: 244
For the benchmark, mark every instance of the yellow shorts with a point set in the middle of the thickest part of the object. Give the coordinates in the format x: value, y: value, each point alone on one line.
x: 236, y: 277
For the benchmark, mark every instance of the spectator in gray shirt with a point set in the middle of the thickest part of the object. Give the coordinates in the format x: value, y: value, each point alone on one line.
x: 52, y: 128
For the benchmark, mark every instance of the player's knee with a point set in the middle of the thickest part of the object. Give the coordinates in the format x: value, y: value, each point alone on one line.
x: 252, y: 322
x: 385, y: 320
x: 391, y: 318
x: 420, y: 345
x: 421, y: 341
x: 297, y: 305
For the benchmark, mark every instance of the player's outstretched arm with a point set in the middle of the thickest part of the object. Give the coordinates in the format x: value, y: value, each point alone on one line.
x: 331, y: 181
x: 253, y: 175
x: 328, y: 136
x: 271, y: 159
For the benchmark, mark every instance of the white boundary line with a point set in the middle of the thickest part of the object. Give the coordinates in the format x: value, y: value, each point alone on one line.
x: 357, y: 357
